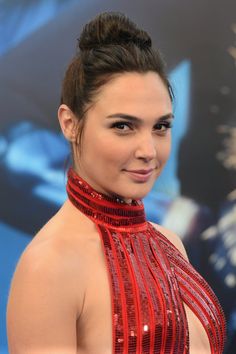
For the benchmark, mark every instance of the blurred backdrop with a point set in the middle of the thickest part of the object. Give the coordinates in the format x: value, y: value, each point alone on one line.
x: 196, y: 194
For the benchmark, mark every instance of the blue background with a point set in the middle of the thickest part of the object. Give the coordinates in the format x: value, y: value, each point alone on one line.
x: 195, y: 196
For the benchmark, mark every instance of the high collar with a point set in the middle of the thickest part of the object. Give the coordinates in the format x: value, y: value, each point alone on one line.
x: 103, y: 209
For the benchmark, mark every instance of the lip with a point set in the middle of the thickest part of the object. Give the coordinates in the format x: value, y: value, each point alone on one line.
x: 140, y: 175
x: 142, y: 172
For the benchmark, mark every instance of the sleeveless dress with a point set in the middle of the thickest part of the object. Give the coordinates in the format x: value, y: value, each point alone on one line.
x: 149, y: 279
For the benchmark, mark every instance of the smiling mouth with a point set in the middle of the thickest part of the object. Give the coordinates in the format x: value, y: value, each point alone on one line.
x: 140, y: 175
x: 142, y: 172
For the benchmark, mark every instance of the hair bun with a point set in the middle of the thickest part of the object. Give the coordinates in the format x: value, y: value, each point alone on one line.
x: 112, y: 28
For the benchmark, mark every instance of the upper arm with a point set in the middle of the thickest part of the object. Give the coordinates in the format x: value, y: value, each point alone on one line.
x: 173, y: 238
x: 42, y: 309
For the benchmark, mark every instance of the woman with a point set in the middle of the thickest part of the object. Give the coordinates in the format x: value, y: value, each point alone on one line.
x: 98, y: 278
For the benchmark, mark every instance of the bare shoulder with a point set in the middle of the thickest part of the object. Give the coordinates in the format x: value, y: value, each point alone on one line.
x: 172, y: 237
x: 50, y: 255
x: 58, y: 247
x: 46, y: 295
x: 53, y: 258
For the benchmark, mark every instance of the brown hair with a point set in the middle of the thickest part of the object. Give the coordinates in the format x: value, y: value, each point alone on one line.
x: 110, y: 44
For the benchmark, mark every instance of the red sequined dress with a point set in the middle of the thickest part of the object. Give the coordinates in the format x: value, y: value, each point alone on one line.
x: 149, y: 279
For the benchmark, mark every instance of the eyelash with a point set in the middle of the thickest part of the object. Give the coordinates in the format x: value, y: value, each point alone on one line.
x: 117, y: 125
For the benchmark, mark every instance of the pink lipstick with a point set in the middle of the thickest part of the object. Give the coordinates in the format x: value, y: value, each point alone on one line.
x: 140, y: 175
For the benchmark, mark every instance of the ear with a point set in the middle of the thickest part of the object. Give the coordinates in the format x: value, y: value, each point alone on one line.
x: 68, y: 122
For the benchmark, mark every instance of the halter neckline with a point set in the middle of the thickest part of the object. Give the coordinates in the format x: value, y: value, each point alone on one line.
x: 103, y: 209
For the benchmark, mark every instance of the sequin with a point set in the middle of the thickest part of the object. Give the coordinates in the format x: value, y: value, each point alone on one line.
x: 149, y: 279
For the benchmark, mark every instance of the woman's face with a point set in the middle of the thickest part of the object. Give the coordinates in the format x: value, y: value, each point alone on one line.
x: 126, y: 139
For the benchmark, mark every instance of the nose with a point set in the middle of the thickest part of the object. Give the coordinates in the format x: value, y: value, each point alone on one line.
x: 146, y: 148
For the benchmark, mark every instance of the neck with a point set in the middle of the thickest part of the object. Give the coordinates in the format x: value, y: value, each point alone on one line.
x: 107, y: 210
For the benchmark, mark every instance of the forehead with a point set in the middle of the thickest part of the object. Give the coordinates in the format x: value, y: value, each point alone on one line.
x: 135, y: 92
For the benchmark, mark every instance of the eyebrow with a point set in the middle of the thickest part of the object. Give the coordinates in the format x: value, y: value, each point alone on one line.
x: 137, y: 119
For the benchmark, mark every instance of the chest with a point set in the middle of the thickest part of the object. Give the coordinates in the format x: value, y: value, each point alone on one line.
x: 146, y: 316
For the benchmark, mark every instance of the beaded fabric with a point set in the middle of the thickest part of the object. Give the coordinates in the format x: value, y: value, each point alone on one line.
x: 149, y: 279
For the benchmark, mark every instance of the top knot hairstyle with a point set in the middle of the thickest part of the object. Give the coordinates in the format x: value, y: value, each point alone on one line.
x: 112, y: 28
x: 110, y: 44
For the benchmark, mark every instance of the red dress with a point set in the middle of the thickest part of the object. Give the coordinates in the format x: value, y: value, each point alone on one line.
x: 149, y: 279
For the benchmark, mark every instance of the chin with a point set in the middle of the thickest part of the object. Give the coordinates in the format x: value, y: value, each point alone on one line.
x: 139, y: 194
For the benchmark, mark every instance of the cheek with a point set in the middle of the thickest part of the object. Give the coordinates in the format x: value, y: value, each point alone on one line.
x: 164, y: 150
x: 111, y: 150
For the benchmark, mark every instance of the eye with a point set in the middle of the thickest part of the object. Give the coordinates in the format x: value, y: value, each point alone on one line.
x: 163, y: 127
x: 123, y: 126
